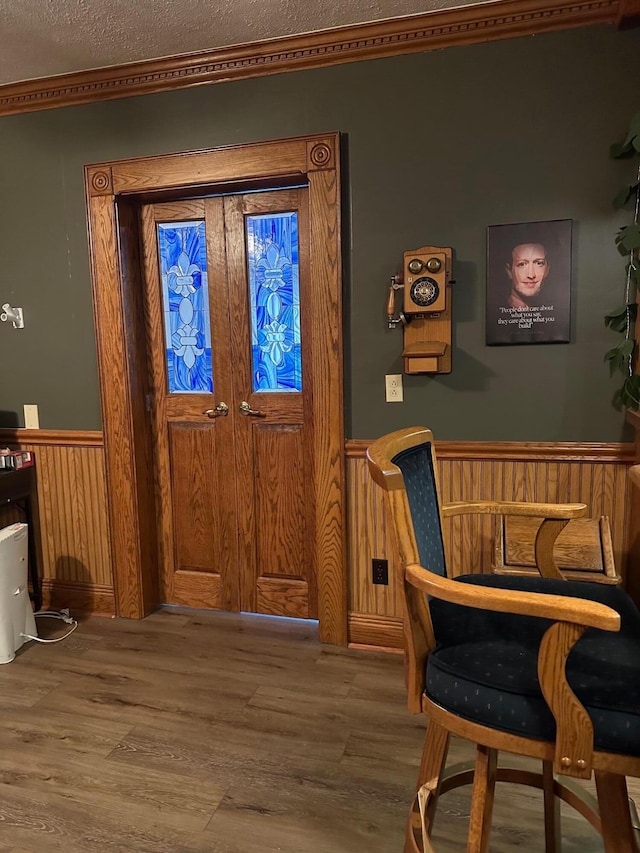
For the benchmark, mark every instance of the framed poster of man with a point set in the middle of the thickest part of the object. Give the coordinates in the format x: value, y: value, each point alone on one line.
x: 529, y: 283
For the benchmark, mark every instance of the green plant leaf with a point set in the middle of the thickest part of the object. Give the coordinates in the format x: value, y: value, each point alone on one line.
x: 627, y: 240
x: 616, y: 362
x: 626, y: 348
x: 634, y: 131
x: 618, y: 357
x: 622, y: 198
x: 634, y: 124
x: 629, y: 237
x: 619, y: 150
x: 617, y: 324
x: 625, y: 195
x: 631, y: 142
x: 617, y: 320
x: 630, y: 392
x: 619, y: 312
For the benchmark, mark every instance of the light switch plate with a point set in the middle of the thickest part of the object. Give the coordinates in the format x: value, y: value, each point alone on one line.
x: 31, y: 419
x: 393, y: 386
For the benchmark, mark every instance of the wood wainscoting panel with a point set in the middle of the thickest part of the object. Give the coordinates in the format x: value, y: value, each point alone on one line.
x: 75, y: 559
x: 370, y: 536
x: 564, y: 472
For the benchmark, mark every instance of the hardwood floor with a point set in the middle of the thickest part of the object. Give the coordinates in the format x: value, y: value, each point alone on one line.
x: 196, y: 732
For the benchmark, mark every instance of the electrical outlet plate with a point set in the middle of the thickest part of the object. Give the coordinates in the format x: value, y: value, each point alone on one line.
x: 393, y: 387
x: 380, y: 571
x: 31, y: 418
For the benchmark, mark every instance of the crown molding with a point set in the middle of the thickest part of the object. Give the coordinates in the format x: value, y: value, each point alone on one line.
x: 628, y: 14
x: 392, y: 37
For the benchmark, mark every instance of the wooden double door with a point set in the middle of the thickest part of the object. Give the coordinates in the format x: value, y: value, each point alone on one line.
x: 228, y: 326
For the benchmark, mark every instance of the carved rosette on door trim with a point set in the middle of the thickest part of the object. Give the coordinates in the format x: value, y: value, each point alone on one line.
x: 320, y: 154
x: 99, y: 181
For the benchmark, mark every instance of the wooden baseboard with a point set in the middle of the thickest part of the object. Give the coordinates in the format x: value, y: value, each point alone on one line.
x: 379, y: 632
x: 89, y: 598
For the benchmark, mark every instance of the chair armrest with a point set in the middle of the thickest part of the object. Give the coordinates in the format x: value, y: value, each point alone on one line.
x: 538, y: 510
x: 559, y: 608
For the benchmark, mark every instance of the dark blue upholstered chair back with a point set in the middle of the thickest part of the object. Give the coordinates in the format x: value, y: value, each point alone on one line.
x: 416, y: 464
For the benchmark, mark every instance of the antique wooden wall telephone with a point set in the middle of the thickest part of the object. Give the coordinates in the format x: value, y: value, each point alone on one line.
x: 426, y: 313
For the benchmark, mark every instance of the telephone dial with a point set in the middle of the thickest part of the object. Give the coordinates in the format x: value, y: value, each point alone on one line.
x: 426, y: 313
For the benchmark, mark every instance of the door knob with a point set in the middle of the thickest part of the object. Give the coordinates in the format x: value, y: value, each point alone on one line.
x: 245, y: 409
x: 220, y: 411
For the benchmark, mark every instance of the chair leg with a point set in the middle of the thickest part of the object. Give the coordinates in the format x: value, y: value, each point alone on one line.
x: 552, y: 842
x: 484, y: 783
x: 613, y: 799
x: 421, y: 815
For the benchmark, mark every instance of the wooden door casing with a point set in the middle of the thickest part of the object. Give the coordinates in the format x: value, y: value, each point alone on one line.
x: 112, y: 190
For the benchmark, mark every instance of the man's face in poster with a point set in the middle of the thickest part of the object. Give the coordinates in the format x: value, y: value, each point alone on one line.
x: 528, y: 269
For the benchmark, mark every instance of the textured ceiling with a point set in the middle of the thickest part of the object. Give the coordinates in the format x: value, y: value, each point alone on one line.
x: 41, y: 38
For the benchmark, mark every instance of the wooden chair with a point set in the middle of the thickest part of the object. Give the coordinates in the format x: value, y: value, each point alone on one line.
x: 502, y: 661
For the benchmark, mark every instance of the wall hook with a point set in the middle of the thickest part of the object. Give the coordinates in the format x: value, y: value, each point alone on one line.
x: 13, y: 314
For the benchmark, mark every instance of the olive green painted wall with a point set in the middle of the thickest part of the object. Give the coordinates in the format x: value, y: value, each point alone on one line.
x: 437, y: 147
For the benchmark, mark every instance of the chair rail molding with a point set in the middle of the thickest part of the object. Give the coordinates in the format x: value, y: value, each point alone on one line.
x: 524, y: 450
x: 58, y: 437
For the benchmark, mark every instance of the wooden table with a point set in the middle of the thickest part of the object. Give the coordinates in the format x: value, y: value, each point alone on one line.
x: 19, y: 487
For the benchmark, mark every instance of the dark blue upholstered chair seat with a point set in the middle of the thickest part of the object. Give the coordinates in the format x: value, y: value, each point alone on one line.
x: 484, y: 667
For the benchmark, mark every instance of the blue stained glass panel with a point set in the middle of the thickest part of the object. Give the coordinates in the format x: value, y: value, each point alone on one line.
x: 183, y: 269
x: 272, y: 258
